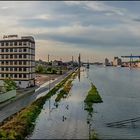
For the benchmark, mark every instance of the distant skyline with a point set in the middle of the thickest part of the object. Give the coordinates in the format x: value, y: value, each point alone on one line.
x: 95, y: 29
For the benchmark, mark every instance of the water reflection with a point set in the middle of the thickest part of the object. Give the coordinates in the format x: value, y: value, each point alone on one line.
x: 67, y: 119
x: 119, y: 88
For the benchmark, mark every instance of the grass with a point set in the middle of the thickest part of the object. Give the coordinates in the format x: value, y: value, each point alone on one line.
x: 19, y: 125
x: 66, y: 88
x: 92, y: 97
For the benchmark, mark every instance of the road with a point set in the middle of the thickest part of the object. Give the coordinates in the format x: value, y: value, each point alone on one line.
x: 20, y: 103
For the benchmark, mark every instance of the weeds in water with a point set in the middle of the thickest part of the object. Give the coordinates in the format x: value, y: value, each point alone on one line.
x: 92, y: 97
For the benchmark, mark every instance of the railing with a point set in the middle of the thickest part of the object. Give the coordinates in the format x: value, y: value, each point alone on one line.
x: 121, y: 123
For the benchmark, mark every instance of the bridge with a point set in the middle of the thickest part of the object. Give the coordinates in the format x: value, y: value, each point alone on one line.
x: 123, y: 122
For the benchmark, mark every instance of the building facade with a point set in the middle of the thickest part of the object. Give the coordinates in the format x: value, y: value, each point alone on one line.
x: 17, y: 60
x: 117, y: 61
x: 107, y: 62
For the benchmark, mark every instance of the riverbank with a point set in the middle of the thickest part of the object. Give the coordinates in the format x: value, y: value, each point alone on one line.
x: 21, y: 124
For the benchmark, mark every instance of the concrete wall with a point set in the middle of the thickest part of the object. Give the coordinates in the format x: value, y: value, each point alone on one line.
x: 7, y: 95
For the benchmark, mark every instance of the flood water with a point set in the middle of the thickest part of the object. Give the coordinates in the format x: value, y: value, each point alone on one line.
x: 120, y: 91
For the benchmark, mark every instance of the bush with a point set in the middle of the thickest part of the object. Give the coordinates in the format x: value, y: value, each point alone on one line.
x: 9, y: 84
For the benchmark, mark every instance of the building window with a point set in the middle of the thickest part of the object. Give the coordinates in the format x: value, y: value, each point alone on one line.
x: 11, y: 75
x: 24, y: 69
x: 11, y: 69
x: 2, y: 50
x: 15, y: 50
x: 7, y: 43
x: 20, y: 75
x: 2, y: 75
x: 15, y: 75
x: 24, y: 62
x: 2, y: 44
x: 20, y: 56
x: 11, y: 50
x: 15, y: 43
x: 2, y: 56
x: 7, y: 56
x: 24, y: 49
x: 20, y: 69
x: 20, y: 50
x: 11, y: 43
x: 20, y: 43
x: 2, y: 69
x: 15, y: 56
x: 6, y: 62
x: 7, y: 50
x: 2, y: 62
x: 11, y: 62
x: 24, y: 55
x: 15, y: 69
x: 20, y: 62
x: 24, y: 75
x: 11, y: 56
x: 6, y: 69
x: 15, y: 62
x: 29, y: 43
x: 19, y: 82
x: 24, y: 43
x: 6, y: 75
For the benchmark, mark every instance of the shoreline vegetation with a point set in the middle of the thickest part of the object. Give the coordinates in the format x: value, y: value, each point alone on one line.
x: 91, y: 98
x: 21, y: 124
x: 66, y: 88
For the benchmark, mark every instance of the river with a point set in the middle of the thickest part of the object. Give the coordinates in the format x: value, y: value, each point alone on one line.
x: 120, y: 91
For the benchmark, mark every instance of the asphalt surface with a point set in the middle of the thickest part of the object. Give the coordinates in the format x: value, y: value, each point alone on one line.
x: 20, y: 103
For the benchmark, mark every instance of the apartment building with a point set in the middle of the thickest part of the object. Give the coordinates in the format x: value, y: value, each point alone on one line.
x: 17, y: 60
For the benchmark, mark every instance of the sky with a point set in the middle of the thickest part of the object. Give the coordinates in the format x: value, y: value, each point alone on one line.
x: 62, y: 29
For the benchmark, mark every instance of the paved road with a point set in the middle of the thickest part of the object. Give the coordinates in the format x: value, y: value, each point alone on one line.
x: 20, y: 103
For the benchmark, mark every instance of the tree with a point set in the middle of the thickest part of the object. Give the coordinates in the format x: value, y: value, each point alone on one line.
x: 40, y: 69
x: 9, y: 84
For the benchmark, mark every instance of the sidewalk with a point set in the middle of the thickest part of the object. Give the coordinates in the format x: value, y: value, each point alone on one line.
x: 20, y: 94
x: 24, y: 92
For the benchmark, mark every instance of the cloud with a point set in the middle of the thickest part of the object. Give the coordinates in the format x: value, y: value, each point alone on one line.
x: 98, y: 7
x: 68, y: 26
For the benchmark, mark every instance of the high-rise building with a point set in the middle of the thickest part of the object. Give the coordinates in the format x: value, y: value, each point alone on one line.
x: 17, y: 60
x: 106, y: 62
x: 117, y: 61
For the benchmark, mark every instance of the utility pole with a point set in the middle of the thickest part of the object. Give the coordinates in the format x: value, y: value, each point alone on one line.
x: 79, y: 60
x: 48, y: 58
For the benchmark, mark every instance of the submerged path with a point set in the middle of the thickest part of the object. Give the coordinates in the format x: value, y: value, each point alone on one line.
x: 20, y: 103
x: 69, y: 119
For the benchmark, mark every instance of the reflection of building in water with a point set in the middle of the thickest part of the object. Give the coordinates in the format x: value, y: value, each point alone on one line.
x: 79, y: 60
x: 79, y: 74
x: 87, y: 73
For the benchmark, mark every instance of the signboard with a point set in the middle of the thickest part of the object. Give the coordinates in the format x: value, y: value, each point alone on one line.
x: 9, y: 36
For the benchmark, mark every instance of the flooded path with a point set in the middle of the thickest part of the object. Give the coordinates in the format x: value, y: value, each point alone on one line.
x: 67, y: 120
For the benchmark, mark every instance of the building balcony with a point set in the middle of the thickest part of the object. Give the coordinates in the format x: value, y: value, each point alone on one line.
x: 2, y: 53
x: 17, y: 79
x: 16, y: 59
x: 15, y: 72
x: 5, y: 65
x: 8, y: 47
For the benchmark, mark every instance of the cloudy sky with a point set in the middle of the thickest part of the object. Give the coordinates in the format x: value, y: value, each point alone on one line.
x: 96, y: 29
